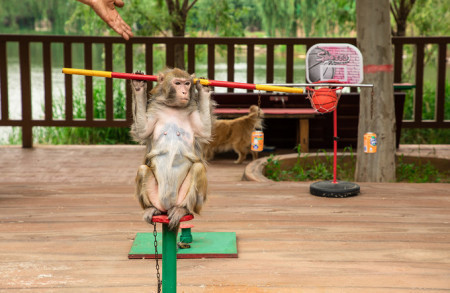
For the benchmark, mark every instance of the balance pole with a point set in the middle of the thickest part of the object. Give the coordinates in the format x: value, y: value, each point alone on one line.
x: 169, y: 253
x: 206, y: 82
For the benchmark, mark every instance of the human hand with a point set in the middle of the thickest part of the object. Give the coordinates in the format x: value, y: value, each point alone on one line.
x: 106, y: 9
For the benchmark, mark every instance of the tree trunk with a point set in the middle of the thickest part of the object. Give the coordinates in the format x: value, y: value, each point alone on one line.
x: 179, y: 12
x: 178, y: 30
x: 377, y: 113
x: 400, y: 10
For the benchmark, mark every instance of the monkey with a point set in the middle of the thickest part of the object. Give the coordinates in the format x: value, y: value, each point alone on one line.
x: 174, y: 123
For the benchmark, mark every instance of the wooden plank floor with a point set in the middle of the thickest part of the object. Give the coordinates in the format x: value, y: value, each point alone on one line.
x: 68, y: 219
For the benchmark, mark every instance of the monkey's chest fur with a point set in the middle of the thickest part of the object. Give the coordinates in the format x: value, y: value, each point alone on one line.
x: 171, y: 158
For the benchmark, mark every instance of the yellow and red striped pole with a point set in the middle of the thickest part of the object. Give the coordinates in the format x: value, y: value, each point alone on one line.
x: 207, y: 82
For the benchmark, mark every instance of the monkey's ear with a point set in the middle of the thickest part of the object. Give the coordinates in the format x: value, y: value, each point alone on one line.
x: 160, y: 77
x: 193, y: 75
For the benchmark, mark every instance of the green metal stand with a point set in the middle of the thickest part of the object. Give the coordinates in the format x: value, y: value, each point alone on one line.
x: 169, y: 253
x: 204, y: 245
x: 169, y: 261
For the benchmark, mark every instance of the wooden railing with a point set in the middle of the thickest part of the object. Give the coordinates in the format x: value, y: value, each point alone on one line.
x: 27, y: 122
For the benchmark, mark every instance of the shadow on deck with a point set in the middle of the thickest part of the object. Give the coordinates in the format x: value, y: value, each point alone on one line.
x: 68, y: 220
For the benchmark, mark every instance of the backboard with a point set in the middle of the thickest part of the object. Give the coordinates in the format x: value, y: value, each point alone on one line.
x: 341, y: 62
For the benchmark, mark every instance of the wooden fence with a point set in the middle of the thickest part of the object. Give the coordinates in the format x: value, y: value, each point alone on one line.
x: 26, y: 122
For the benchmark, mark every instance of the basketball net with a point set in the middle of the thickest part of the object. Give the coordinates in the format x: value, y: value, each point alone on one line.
x: 325, y: 99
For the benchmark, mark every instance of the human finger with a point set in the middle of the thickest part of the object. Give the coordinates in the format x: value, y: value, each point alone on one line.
x: 119, y: 3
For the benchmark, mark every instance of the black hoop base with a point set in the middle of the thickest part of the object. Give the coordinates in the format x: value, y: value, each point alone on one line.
x: 339, y: 189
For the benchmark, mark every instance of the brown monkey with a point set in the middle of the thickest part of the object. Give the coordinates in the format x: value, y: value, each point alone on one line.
x: 174, y: 123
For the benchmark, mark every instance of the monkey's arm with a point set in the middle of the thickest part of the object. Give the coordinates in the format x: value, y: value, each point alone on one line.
x: 204, y: 123
x: 144, y: 124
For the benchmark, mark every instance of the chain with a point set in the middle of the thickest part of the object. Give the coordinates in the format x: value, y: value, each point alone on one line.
x: 371, y: 104
x: 259, y: 103
x: 158, y: 276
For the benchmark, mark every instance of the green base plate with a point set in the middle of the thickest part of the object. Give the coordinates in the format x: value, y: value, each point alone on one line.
x: 204, y: 245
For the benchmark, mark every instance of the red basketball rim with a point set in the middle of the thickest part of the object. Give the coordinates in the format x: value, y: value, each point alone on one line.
x: 325, y: 81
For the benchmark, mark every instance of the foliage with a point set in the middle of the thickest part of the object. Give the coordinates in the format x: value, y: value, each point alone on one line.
x: 417, y: 173
x: 418, y: 17
x: 321, y: 168
x: 287, y: 18
x: 429, y: 102
x: 400, y: 11
x: 150, y: 18
x: 294, y: 18
x: 429, y: 18
x: 223, y: 18
x: 47, y: 15
x: 81, y: 135
x: 426, y: 135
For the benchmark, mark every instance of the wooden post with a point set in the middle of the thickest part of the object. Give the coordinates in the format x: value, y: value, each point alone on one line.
x: 27, y: 133
x: 303, y: 135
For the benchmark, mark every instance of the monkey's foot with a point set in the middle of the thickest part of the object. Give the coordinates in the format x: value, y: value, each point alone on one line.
x: 175, y: 214
x: 149, y: 213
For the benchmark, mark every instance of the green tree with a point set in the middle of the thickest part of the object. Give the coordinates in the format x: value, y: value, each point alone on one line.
x: 277, y: 16
x: 293, y: 18
x: 226, y: 18
x: 400, y: 10
x: 429, y: 18
x: 27, y: 14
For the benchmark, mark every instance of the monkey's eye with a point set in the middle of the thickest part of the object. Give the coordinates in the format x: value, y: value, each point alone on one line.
x: 177, y: 83
x: 188, y: 83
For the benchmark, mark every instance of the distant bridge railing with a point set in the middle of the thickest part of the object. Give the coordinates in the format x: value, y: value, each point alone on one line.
x: 26, y: 122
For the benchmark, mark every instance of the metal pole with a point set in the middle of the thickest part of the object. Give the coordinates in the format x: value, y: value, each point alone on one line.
x: 335, y: 144
x: 169, y: 260
x: 207, y: 82
x: 319, y: 84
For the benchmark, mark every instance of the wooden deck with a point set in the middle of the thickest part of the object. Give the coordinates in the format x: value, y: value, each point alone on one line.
x: 68, y: 219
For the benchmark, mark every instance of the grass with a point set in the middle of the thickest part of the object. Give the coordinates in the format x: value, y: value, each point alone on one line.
x: 83, y: 135
x: 309, y: 170
x: 321, y: 168
x: 426, y: 135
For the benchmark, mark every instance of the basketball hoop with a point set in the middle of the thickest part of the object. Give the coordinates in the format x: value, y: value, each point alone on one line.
x: 325, y: 99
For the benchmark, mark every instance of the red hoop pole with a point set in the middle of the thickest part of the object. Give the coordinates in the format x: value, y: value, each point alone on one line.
x: 335, y: 137
x: 335, y: 144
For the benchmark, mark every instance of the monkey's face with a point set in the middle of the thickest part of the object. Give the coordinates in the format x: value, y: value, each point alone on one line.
x: 179, y: 94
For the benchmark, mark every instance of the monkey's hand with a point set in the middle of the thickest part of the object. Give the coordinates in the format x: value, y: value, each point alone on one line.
x: 204, y: 110
x: 139, y: 109
x: 204, y: 95
x: 139, y: 93
x: 202, y: 89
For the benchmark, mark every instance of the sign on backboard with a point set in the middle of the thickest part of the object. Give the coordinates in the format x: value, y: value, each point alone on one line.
x: 341, y: 62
